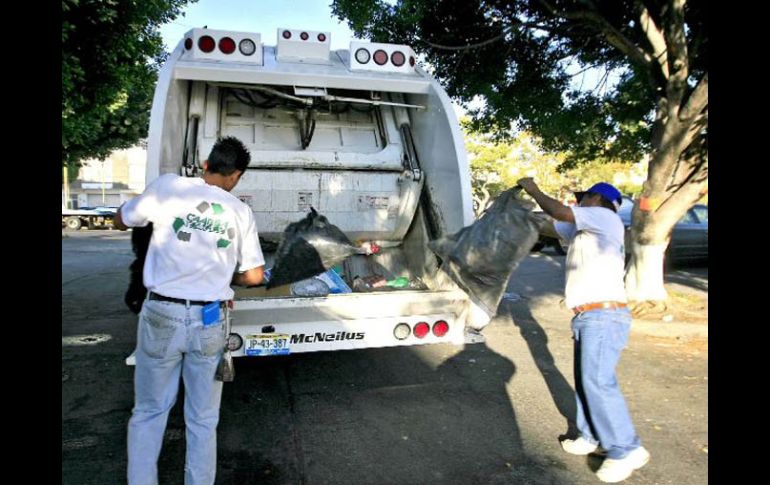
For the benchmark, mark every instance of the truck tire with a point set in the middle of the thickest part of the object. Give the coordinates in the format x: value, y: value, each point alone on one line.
x: 73, y: 223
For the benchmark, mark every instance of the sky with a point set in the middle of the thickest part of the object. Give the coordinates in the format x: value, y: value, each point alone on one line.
x: 262, y: 16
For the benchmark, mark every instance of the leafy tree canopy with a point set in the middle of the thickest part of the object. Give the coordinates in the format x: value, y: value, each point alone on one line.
x: 111, y: 51
x: 520, y: 56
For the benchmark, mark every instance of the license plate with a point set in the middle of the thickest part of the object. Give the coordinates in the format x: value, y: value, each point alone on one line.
x: 266, y: 344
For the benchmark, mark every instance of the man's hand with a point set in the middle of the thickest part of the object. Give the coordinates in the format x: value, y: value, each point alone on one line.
x: 528, y: 184
x: 551, y: 206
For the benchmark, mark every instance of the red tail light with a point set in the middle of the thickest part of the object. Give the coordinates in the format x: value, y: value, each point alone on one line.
x: 380, y: 57
x: 206, y: 43
x: 397, y: 58
x: 411, y: 61
x: 188, y: 43
x: 421, y: 329
x: 440, y: 328
x: 286, y: 34
x: 227, y: 45
x: 321, y: 37
x: 303, y: 36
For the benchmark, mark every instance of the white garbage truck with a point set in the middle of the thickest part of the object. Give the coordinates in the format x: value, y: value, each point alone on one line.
x: 367, y: 138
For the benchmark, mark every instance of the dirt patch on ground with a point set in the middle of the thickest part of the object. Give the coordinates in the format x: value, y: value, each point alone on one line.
x: 682, y: 306
x: 687, y: 306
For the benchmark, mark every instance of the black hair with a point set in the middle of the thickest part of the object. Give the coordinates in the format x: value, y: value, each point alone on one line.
x: 228, y: 155
x: 607, y: 204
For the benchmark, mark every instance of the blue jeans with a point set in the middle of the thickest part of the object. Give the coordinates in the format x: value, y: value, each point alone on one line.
x: 172, y: 341
x: 602, y: 413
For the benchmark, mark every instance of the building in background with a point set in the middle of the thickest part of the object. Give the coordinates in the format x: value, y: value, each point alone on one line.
x: 118, y: 178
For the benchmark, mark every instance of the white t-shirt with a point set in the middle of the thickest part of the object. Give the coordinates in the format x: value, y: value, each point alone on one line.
x: 201, y: 233
x: 596, y: 257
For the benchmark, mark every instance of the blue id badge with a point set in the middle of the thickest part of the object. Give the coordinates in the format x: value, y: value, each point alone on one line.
x: 211, y: 313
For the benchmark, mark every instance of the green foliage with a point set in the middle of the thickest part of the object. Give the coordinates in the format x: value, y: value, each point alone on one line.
x: 111, y: 52
x: 498, y: 165
x: 520, y: 57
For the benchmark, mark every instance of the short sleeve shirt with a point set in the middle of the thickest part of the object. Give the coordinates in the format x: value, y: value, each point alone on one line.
x: 596, y: 256
x: 201, y: 234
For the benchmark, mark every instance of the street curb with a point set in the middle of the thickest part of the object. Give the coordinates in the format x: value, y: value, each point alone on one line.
x: 654, y: 328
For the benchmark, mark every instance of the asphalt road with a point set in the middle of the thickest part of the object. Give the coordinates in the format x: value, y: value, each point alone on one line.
x: 487, y: 413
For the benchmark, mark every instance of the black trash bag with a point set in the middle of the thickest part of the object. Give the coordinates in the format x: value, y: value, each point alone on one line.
x: 309, y: 247
x: 481, y: 257
x: 136, y: 293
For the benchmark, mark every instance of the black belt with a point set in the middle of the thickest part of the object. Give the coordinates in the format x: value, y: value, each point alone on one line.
x: 181, y: 301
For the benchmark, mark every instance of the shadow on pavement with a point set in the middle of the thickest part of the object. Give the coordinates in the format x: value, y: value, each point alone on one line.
x: 534, y: 335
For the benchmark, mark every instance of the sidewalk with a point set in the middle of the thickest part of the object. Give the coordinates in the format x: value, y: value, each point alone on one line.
x: 540, y: 280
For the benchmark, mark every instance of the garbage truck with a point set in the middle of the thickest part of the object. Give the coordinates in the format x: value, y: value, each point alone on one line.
x: 366, y: 137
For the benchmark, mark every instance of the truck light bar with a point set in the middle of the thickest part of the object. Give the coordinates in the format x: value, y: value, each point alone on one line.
x: 222, y: 45
x: 376, y: 57
x: 303, y: 46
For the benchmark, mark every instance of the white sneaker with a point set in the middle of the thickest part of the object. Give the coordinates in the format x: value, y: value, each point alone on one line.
x: 579, y: 446
x: 613, y: 471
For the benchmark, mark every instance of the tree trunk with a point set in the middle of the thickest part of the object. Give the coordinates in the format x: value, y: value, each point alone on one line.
x: 644, y: 273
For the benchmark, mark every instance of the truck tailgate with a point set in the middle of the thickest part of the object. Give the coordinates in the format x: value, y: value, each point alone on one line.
x: 345, y: 321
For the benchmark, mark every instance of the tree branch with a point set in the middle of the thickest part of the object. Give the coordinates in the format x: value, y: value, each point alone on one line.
x: 657, y: 41
x: 677, y: 54
x: 698, y: 99
x: 466, y: 47
x: 613, y: 35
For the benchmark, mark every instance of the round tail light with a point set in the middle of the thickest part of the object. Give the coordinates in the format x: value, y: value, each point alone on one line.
x: 227, y: 45
x: 286, y: 34
x: 363, y: 56
x: 421, y: 330
x: 321, y: 37
x: 206, y: 43
x: 380, y: 57
x: 304, y: 36
x: 401, y: 331
x: 234, y: 342
x: 247, y: 47
x: 188, y: 43
x: 398, y: 58
x: 411, y: 61
x: 440, y: 328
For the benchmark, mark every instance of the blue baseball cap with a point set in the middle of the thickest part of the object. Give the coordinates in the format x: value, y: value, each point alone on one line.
x: 608, y: 191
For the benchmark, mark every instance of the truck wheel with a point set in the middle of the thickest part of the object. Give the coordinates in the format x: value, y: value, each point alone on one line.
x: 73, y: 223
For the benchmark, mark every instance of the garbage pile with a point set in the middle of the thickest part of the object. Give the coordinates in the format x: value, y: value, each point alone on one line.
x: 309, y: 247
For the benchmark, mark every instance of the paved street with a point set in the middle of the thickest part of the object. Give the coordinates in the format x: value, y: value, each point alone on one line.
x: 481, y: 414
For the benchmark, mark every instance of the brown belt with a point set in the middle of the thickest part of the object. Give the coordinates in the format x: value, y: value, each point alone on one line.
x: 598, y: 305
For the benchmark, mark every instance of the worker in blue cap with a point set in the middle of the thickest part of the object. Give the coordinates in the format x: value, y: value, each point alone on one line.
x: 595, y: 292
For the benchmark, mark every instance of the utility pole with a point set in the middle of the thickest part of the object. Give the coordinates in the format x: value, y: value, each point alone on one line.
x: 66, y: 189
x: 104, y: 202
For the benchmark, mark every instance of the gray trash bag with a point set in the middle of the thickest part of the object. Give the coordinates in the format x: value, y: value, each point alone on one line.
x: 481, y: 257
x: 309, y: 247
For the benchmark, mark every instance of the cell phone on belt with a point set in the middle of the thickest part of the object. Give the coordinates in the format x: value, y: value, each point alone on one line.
x: 211, y: 313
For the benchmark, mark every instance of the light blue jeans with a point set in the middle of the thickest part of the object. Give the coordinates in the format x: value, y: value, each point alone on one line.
x: 171, y: 340
x: 602, y: 413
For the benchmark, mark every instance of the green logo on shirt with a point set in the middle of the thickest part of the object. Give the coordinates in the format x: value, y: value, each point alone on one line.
x: 210, y: 222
